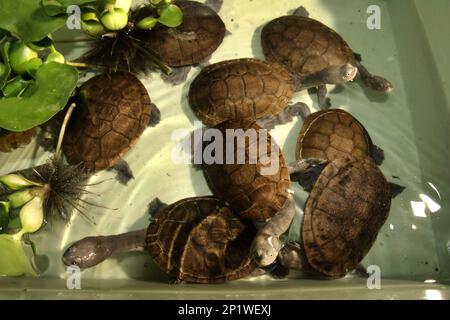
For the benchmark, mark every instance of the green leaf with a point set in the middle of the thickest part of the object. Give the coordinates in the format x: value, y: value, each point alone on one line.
x: 14, y: 261
x: 171, y: 16
x: 49, y: 94
x: 27, y: 20
x: 5, y: 57
x: 53, y: 7
x: 59, y: 7
x: 147, y: 23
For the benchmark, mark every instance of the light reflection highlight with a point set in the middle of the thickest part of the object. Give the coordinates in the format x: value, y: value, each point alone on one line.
x: 418, y: 208
x: 433, y: 295
x: 430, y: 203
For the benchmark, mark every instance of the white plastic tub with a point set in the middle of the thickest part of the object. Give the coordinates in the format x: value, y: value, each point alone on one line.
x: 412, y: 125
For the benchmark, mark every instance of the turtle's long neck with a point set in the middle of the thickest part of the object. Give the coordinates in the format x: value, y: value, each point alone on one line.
x: 91, y: 251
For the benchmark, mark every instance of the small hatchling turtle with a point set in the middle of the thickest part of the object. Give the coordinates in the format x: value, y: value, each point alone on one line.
x: 193, y: 42
x: 248, y: 89
x: 112, y: 112
x: 254, y: 180
x: 309, y: 48
x: 196, y: 240
x: 333, y: 134
x: 12, y: 140
x: 348, y: 204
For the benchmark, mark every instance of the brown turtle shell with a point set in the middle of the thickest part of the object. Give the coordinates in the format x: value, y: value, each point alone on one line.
x: 113, y: 112
x: 12, y: 140
x: 251, y: 192
x: 304, y: 45
x: 200, y: 34
x: 348, y: 205
x: 333, y: 134
x: 240, y: 89
x: 201, y: 240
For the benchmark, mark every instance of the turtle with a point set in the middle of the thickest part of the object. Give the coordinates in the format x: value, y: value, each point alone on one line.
x: 307, y: 47
x: 191, y: 43
x: 12, y: 140
x: 254, y: 180
x: 349, y: 202
x: 112, y: 112
x: 197, y: 240
x: 333, y: 134
x: 249, y: 89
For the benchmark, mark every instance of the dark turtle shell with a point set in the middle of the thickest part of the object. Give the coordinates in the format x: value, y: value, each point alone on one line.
x: 200, y: 34
x: 12, y: 140
x: 333, y: 134
x: 304, y: 45
x: 240, y: 89
x: 251, y: 192
x: 201, y: 240
x: 113, y: 112
x: 348, y: 205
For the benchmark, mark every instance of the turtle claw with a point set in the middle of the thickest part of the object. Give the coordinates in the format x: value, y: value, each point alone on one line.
x: 177, y: 282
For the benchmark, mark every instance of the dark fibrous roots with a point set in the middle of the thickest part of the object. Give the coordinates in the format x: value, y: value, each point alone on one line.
x: 67, y: 185
x: 124, y: 50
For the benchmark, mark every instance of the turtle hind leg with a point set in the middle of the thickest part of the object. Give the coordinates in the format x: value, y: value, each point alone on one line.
x: 155, y: 116
x: 377, y: 155
x: 375, y: 83
x: 155, y: 206
x: 123, y: 171
x: 177, y: 76
x: 306, y: 171
x: 301, y: 12
x: 395, y: 189
x: 298, y: 109
x: 215, y: 5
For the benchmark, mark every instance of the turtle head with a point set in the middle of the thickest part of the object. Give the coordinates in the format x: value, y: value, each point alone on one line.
x: 339, y: 74
x: 86, y: 253
x: 378, y: 83
x: 265, y: 249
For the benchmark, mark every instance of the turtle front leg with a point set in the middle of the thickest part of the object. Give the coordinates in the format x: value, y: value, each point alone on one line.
x: 291, y: 256
x: 306, y: 171
x: 375, y: 83
x: 267, y: 243
x: 324, y: 101
x: 298, y: 109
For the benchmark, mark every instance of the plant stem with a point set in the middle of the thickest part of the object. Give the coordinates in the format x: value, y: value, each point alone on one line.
x: 63, y: 130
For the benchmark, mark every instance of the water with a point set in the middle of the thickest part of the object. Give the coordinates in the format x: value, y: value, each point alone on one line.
x: 411, y: 124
